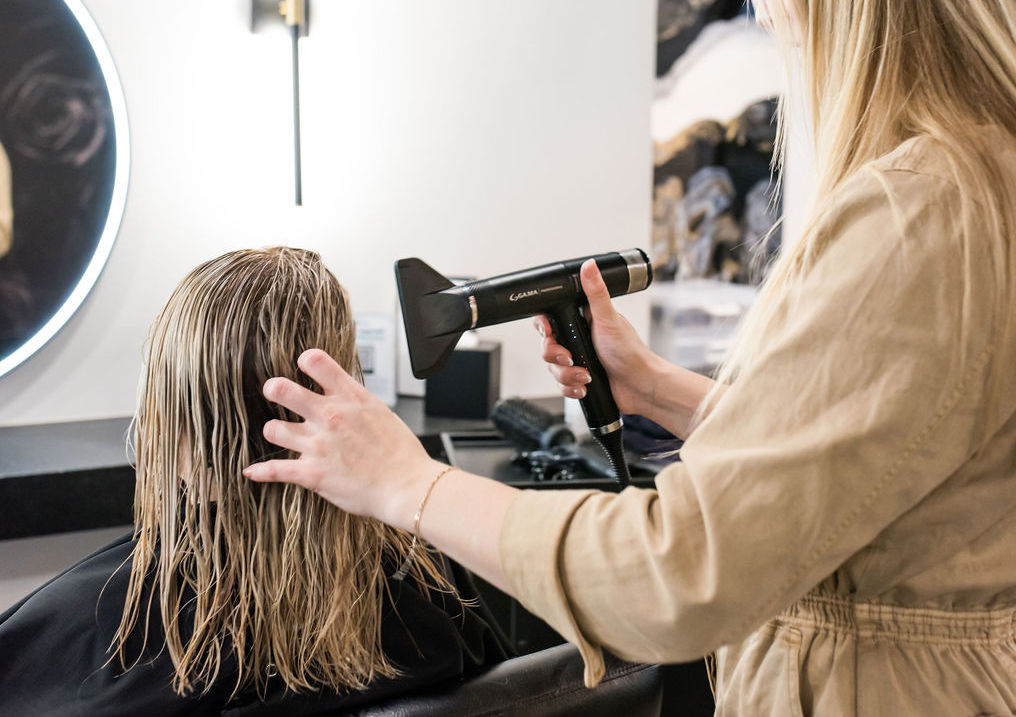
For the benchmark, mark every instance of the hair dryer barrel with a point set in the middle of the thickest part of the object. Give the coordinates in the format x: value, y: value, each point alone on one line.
x: 535, y: 291
x: 436, y: 312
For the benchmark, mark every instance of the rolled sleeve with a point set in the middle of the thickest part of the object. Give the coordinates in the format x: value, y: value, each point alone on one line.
x: 534, y: 571
x: 865, y: 398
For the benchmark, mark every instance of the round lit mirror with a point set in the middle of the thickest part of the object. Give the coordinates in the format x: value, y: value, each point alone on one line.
x: 63, y: 167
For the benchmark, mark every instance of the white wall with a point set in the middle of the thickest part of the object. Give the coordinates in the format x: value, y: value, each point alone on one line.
x: 481, y: 137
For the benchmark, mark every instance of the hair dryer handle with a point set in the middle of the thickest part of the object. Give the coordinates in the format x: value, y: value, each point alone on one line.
x: 572, y: 331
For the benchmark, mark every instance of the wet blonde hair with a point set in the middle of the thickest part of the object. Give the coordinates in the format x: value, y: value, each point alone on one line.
x: 268, y: 576
x: 874, y: 74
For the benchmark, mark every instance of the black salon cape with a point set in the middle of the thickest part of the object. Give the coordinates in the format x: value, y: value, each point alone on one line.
x: 53, y: 645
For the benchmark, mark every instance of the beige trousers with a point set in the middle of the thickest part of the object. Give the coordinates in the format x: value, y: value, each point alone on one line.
x: 831, y: 656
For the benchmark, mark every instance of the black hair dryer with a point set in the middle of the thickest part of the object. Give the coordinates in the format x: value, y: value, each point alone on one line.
x: 436, y: 312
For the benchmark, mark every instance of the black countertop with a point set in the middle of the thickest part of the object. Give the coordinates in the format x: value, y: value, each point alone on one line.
x: 59, y: 477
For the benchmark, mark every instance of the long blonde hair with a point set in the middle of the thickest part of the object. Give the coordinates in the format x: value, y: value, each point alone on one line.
x: 874, y: 74
x: 267, y: 576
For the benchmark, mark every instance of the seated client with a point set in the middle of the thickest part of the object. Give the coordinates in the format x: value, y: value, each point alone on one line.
x: 232, y: 596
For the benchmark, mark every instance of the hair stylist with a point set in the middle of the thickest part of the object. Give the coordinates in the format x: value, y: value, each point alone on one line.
x: 842, y: 527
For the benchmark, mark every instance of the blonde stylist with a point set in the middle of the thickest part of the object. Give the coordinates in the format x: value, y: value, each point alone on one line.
x: 842, y: 528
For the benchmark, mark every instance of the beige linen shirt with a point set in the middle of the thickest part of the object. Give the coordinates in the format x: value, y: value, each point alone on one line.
x: 842, y: 527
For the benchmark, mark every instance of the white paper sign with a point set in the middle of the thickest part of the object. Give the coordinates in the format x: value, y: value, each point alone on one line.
x: 375, y: 342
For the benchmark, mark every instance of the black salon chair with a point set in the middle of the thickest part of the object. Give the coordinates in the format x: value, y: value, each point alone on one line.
x: 547, y: 683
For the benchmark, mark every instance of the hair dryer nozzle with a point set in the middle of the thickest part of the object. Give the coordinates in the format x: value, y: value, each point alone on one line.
x: 434, y: 319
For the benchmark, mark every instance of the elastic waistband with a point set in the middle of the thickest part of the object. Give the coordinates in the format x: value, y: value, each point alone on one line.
x: 880, y: 621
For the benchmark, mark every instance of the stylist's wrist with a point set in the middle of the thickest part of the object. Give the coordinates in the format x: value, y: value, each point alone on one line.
x: 672, y: 395
x: 645, y: 381
x: 637, y: 394
x: 400, y: 500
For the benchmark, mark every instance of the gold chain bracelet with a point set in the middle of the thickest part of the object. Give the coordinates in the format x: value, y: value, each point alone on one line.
x: 403, y: 570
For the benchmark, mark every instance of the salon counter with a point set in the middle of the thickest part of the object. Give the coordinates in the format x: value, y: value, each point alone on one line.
x: 61, y: 477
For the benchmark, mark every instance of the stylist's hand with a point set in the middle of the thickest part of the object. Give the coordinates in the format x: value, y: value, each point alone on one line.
x: 623, y: 354
x: 354, y: 452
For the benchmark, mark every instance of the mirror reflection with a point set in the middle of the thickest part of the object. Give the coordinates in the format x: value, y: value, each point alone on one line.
x: 57, y: 165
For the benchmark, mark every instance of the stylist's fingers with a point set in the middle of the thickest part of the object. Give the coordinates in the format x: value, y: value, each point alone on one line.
x: 571, y: 380
x: 328, y: 374
x: 555, y: 353
x: 542, y: 325
x: 596, y: 291
x: 570, y: 376
x: 289, y: 394
x: 573, y: 391
x: 296, y: 437
x: 284, y: 471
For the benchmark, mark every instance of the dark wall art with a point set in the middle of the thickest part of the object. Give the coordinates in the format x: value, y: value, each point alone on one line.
x: 715, y: 205
x: 679, y: 22
x: 713, y: 198
x: 713, y: 201
x: 63, y: 167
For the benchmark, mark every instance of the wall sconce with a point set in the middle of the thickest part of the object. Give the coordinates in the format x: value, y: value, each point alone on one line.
x: 294, y: 13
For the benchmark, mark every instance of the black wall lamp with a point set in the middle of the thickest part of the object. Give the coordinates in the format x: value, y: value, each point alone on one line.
x: 295, y: 15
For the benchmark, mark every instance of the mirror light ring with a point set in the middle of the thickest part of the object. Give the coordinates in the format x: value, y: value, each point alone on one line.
x: 117, y: 200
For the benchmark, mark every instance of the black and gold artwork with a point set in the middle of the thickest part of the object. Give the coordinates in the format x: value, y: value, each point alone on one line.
x: 678, y: 23
x: 715, y: 203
